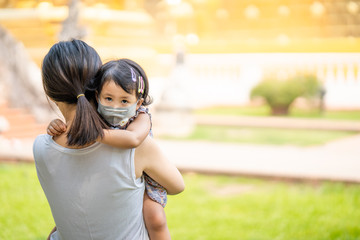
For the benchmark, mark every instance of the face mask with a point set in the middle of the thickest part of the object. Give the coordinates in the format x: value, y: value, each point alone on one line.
x: 116, y: 116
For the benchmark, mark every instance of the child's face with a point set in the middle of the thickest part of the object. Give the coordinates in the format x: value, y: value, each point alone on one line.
x: 113, y: 95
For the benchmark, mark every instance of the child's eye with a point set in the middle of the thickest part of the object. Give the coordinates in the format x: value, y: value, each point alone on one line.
x: 124, y: 101
x: 109, y: 99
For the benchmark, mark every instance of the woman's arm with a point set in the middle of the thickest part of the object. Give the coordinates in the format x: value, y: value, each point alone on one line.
x: 150, y: 159
x: 132, y: 137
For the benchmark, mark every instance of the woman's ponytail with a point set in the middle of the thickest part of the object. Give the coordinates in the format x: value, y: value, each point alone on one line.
x: 87, y: 125
x: 66, y: 72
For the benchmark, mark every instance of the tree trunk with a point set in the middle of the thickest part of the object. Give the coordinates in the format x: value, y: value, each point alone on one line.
x: 279, y: 110
x: 70, y: 27
x: 20, y: 77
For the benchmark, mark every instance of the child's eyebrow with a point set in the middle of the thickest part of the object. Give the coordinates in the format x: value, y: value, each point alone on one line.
x: 107, y: 94
x: 125, y: 97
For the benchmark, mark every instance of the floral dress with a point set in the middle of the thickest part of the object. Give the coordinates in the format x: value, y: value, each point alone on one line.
x: 154, y: 190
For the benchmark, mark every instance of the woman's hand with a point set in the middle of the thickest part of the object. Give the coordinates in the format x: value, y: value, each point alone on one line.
x: 56, y: 128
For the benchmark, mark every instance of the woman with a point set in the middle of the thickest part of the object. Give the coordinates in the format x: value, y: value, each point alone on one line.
x: 95, y: 191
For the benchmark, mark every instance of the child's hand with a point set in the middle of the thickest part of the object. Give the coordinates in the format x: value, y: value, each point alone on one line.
x: 56, y: 127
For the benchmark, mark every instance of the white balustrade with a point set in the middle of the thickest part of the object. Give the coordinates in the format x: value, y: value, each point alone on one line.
x: 227, y: 79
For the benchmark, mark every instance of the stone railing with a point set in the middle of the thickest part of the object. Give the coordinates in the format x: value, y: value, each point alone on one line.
x: 228, y: 78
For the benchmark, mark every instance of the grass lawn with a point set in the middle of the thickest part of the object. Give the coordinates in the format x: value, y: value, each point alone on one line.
x: 25, y: 213
x: 270, y: 136
x: 216, y: 207
x: 212, y: 207
x: 263, y: 111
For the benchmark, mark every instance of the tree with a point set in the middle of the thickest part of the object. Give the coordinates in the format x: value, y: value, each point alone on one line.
x: 280, y: 94
x: 20, y: 84
x: 70, y: 27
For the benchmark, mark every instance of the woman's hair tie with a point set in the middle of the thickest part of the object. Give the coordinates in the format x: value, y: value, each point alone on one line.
x: 80, y: 95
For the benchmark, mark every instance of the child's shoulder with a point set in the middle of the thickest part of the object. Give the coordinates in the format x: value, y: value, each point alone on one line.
x: 140, y: 110
x: 143, y: 109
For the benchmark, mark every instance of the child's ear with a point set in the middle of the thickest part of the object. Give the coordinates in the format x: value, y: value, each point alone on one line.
x: 139, y: 103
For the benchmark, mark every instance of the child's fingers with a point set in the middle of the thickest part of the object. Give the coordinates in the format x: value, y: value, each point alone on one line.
x: 52, y: 131
x: 49, y: 131
x: 63, y: 125
x: 56, y: 127
x: 59, y: 125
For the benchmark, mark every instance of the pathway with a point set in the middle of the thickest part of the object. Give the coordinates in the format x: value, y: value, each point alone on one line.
x: 338, y: 160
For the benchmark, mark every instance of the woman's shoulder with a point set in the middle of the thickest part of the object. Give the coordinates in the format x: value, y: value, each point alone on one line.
x: 38, y: 146
x: 147, y: 149
x: 42, y: 138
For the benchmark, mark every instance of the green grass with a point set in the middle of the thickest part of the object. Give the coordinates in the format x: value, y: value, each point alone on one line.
x: 25, y: 213
x: 264, y: 111
x: 237, y: 208
x: 260, y: 111
x: 211, y: 207
x: 269, y: 136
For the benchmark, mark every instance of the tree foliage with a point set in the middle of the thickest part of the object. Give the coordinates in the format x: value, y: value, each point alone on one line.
x: 280, y: 94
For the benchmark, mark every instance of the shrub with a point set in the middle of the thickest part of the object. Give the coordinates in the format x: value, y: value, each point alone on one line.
x: 280, y: 94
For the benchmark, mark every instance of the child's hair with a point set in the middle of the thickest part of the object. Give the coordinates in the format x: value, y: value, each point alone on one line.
x: 125, y: 73
x: 66, y: 71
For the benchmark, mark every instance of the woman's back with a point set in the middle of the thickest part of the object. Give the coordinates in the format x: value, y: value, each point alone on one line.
x: 93, y: 192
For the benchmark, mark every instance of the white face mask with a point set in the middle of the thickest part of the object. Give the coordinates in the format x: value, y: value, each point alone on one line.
x: 116, y: 116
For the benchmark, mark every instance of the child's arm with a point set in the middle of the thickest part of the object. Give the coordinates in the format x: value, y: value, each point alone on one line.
x: 132, y: 137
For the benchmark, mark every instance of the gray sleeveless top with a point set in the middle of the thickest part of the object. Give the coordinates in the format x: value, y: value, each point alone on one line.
x: 92, y: 192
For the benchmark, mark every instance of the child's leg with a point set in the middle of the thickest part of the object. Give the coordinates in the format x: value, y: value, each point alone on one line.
x: 155, y: 219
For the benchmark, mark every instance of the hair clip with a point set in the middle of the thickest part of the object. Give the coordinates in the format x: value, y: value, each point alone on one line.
x: 141, y: 85
x: 133, y: 75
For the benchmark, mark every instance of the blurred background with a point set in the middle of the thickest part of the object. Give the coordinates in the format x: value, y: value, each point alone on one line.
x: 241, y: 87
x: 197, y: 53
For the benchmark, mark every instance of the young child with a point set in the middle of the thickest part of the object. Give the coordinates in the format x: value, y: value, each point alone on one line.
x: 121, y: 90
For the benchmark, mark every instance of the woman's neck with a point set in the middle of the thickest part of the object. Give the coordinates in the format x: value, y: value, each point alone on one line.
x: 69, y: 112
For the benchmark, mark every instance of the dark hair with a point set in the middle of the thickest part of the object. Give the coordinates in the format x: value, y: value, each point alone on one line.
x: 66, y: 71
x: 123, y: 72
